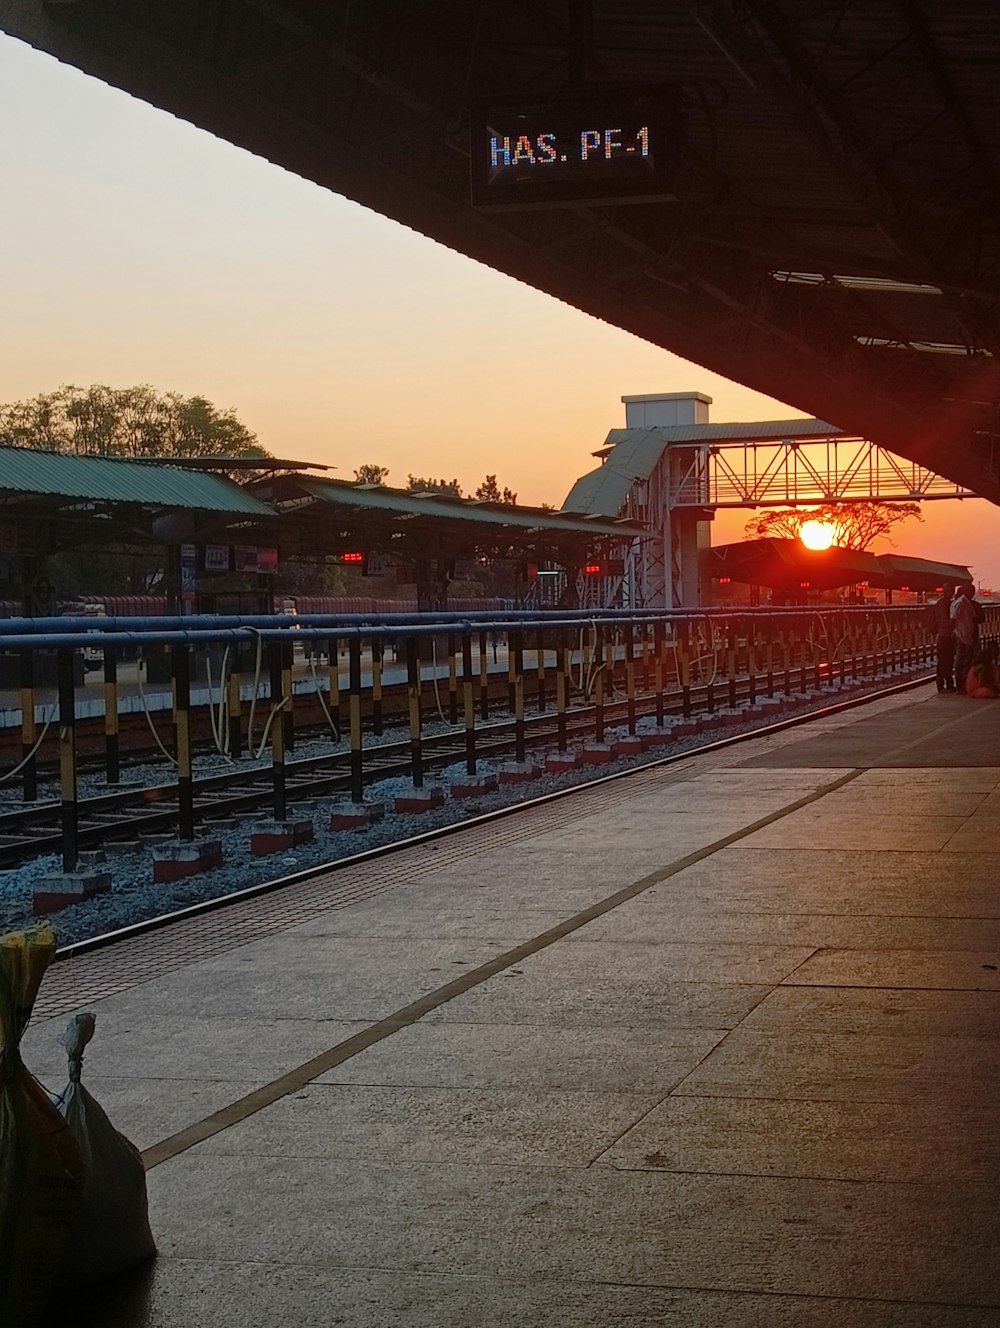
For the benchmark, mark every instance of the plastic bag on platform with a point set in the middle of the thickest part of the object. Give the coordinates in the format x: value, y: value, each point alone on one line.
x: 110, y: 1232
x: 41, y: 1169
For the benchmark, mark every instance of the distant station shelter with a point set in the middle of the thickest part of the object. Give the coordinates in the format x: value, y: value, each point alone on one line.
x: 53, y: 503
x: 670, y: 469
x: 207, y: 525
x: 419, y: 537
x: 788, y: 573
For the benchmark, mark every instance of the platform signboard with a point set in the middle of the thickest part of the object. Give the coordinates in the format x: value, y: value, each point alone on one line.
x: 597, y: 146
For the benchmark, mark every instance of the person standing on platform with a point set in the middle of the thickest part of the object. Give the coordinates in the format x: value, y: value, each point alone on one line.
x: 944, y: 640
x: 966, y: 615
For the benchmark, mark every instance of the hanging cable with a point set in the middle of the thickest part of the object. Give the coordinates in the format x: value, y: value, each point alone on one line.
x: 149, y: 718
x: 256, y: 686
x: 322, y: 699
x: 220, y: 729
x: 37, y: 743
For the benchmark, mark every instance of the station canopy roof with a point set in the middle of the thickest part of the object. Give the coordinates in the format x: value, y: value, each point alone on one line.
x: 787, y: 565
x: 825, y: 228
x: 51, y: 501
x: 319, y: 515
x: 28, y: 474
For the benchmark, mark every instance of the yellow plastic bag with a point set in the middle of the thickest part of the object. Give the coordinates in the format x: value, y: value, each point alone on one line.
x: 41, y: 1169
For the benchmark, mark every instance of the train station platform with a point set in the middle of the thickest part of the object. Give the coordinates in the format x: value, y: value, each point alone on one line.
x: 714, y: 1044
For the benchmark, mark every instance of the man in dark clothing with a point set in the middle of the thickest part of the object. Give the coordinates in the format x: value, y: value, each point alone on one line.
x: 944, y: 640
x: 966, y: 615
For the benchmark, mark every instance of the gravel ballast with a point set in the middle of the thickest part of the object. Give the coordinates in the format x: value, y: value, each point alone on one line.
x: 134, y: 898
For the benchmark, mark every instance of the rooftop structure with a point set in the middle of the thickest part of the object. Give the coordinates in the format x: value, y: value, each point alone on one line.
x: 788, y: 224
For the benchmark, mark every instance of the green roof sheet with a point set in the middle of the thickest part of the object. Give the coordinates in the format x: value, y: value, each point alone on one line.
x: 442, y: 507
x: 108, y: 479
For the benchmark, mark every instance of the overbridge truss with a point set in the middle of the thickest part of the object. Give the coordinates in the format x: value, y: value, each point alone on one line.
x: 791, y: 472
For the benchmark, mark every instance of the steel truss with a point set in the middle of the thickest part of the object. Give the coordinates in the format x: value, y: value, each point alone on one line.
x: 790, y: 472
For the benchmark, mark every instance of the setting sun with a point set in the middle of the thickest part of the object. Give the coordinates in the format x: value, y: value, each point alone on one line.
x: 817, y: 534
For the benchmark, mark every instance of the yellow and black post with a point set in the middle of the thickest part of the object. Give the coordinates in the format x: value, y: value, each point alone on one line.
x: 484, y: 677
x: 731, y: 664
x: 180, y: 661
x: 276, y: 669
x: 112, y: 768
x: 377, y: 647
x: 540, y: 668
x: 684, y: 667
x: 452, y: 680
x: 630, y: 676
x: 468, y: 704
x: 29, y: 736
x: 333, y: 674
x: 598, y: 683
x: 287, y: 716
x: 234, y: 711
x: 70, y: 812
x: 515, y: 656
x: 562, y: 687
x: 659, y: 651
x: 413, y: 694
x: 513, y: 672
x: 354, y: 706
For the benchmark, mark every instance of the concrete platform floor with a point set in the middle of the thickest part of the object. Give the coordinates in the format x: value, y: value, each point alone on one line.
x: 717, y: 1044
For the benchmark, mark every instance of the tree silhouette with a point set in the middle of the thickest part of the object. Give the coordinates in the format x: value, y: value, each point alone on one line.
x: 126, y: 422
x: 856, y: 525
x: 489, y: 492
x: 371, y: 474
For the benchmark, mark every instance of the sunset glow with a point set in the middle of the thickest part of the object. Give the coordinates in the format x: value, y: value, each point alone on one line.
x: 350, y: 340
x: 817, y: 534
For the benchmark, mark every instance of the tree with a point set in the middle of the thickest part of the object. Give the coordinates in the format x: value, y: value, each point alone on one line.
x: 489, y: 492
x: 369, y: 474
x: 415, y: 484
x: 120, y: 422
x: 855, y: 525
x: 126, y: 422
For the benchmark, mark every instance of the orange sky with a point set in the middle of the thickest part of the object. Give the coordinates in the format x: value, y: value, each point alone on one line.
x: 138, y: 249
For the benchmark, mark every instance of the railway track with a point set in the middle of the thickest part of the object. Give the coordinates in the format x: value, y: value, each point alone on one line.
x: 150, y: 810
x: 711, y: 742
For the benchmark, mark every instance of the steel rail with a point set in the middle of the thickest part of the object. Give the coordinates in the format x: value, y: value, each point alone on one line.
x: 109, y: 939
x: 127, y: 814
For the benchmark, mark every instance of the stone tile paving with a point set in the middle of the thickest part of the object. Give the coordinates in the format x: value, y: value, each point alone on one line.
x: 780, y: 1114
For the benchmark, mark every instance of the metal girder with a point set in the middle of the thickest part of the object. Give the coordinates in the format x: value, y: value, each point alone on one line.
x: 896, y: 205
x: 792, y: 473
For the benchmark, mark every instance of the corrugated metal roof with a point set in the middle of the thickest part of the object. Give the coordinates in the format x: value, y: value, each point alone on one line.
x: 780, y: 562
x: 443, y: 508
x: 632, y: 454
x: 633, y: 457
x: 756, y: 431
x: 108, y: 479
x: 921, y: 572
x: 786, y: 124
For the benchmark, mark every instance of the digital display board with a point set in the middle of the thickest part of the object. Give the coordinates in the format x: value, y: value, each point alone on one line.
x: 600, y: 146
